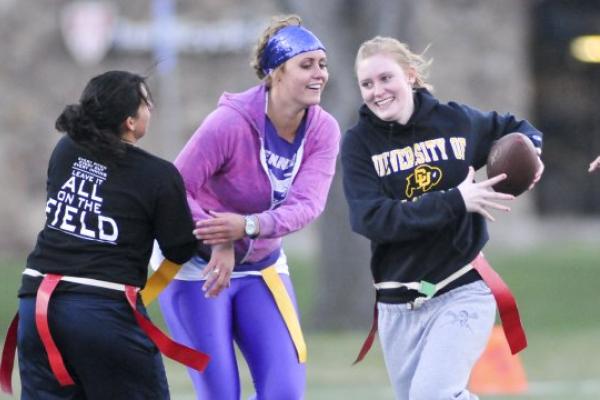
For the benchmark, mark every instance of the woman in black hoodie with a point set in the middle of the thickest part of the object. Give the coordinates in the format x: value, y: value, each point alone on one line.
x: 408, y: 168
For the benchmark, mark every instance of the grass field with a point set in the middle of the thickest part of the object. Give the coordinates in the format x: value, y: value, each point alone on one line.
x: 558, y: 298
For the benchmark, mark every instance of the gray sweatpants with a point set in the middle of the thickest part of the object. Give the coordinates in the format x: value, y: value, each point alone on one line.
x: 429, y: 352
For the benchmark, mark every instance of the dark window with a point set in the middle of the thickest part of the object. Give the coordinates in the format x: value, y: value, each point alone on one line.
x: 567, y: 106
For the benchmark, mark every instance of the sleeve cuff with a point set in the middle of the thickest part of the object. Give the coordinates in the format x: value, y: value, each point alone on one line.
x: 266, y: 225
x: 455, y: 202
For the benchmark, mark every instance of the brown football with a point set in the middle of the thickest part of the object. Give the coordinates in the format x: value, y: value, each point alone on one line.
x: 514, y: 155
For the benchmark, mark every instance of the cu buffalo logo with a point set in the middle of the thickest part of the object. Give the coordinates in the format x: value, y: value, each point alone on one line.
x: 423, y: 179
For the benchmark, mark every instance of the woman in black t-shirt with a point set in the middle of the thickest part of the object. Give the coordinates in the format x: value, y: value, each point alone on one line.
x: 107, y: 201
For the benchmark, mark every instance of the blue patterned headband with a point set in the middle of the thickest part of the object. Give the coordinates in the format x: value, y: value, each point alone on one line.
x: 287, y: 43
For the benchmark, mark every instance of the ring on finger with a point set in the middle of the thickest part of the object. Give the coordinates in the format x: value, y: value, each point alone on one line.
x: 216, y: 271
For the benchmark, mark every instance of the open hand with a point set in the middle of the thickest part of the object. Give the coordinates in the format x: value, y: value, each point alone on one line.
x: 479, y: 196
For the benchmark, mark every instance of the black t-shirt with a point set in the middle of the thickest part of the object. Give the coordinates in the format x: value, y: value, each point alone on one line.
x: 101, y: 220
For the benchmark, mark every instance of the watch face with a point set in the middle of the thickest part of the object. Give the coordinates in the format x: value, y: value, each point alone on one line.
x: 251, y: 227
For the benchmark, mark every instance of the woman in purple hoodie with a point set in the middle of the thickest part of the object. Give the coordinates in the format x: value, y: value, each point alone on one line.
x: 258, y: 168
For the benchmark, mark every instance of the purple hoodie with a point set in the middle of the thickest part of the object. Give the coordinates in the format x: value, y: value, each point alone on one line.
x: 222, y: 170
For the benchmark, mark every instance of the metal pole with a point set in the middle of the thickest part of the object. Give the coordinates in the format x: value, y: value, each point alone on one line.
x: 165, y: 43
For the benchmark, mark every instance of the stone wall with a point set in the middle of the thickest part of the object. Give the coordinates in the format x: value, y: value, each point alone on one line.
x: 481, y: 52
x: 38, y: 78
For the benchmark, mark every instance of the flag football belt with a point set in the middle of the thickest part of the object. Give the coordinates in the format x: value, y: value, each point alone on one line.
x: 183, y: 354
x: 426, y: 288
x: 167, y: 271
x: 507, y: 306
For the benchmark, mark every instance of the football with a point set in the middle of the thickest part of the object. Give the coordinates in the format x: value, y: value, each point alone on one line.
x: 515, y: 155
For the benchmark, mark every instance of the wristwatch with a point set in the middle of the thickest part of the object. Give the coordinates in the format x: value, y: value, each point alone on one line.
x: 251, y: 227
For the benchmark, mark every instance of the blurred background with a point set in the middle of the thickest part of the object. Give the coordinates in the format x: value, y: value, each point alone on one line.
x: 538, y: 59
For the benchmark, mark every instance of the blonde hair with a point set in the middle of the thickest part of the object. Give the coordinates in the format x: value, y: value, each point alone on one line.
x: 401, y: 54
x: 277, y: 23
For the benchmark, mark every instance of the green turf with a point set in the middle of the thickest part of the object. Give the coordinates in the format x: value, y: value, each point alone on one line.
x: 10, y: 275
x: 556, y: 288
x: 563, y: 365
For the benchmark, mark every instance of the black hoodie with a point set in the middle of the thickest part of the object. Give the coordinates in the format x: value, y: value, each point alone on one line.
x: 400, y: 183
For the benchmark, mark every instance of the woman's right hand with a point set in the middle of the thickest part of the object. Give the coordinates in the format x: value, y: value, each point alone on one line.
x: 218, y: 270
x: 223, y: 227
x: 479, y: 196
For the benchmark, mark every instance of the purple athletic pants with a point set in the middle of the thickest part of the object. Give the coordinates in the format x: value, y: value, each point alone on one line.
x: 245, y: 313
